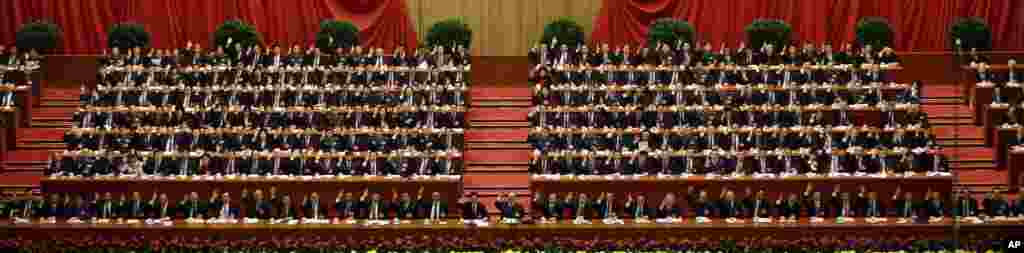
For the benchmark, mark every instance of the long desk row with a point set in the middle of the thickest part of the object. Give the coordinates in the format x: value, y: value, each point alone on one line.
x: 454, y: 229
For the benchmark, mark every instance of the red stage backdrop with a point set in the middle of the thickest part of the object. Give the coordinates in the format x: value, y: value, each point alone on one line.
x: 919, y: 25
x: 384, y: 23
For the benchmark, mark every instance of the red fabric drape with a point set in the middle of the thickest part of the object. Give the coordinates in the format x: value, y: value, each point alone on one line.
x: 383, y: 23
x: 920, y: 25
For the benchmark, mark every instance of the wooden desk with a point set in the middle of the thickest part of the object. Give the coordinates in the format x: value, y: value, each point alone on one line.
x: 1014, y: 164
x: 993, y: 118
x: 1001, y: 145
x: 655, y: 188
x: 328, y: 189
x: 981, y: 98
x: 718, y: 229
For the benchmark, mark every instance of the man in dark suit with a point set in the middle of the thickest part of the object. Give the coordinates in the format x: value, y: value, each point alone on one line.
x: 160, y: 207
x: 374, y: 208
x: 933, y: 205
x: 996, y: 205
x: 77, y: 208
x: 699, y: 201
x: 312, y: 207
x: 789, y: 208
x: 964, y: 205
x: 729, y: 207
x: 435, y: 208
x: 636, y: 207
x: 508, y: 206
x: 606, y: 207
x: 550, y: 207
x: 757, y: 204
x: 816, y: 205
x: 405, y: 207
x: 472, y: 209
x: 345, y: 205
x: 191, y: 206
x: 906, y: 208
x: 256, y: 206
x: 872, y: 207
x: 283, y: 208
x: 52, y: 207
x: 136, y: 207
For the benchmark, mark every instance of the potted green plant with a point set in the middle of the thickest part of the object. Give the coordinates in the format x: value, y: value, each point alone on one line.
x: 874, y: 31
x: 40, y: 36
x: 128, y: 35
x: 669, y: 31
x: 238, y: 32
x: 768, y: 31
x: 449, y: 32
x: 566, y: 30
x: 334, y: 34
x: 972, y: 32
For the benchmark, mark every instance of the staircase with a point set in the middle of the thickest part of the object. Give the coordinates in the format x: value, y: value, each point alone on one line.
x: 496, y: 150
x: 24, y: 165
x: 962, y: 142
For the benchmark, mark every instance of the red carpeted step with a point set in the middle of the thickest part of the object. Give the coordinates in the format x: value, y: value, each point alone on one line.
x: 61, y: 93
x: 497, y: 155
x: 942, y: 90
x: 28, y: 155
x: 489, y: 181
x: 54, y: 112
x: 962, y: 132
x: 37, y: 134
x: 937, y: 111
x: 970, y: 153
x: 20, y: 178
x: 981, y: 177
x: 500, y: 93
x: 497, y: 114
x: 496, y: 135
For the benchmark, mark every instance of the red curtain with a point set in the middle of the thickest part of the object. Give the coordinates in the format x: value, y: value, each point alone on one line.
x: 383, y: 23
x: 919, y: 25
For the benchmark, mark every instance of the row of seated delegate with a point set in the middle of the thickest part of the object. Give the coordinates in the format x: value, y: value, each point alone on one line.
x: 273, y: 56
x: 163, y: 139
x: 450, y: 117
x: 681, y: 53
x: 254, y: 205
x: 756, y: 163
x: 191, y: 66
x: 251, y: 96
x: 700, y: 139
x: 715, y: 75
x: 791, y: 206
x: 827, y: 95
x: 279, y: 162
x: 651, y: 116
x: 14, y: 72
x: 222, y: 75
x: 903, y: 206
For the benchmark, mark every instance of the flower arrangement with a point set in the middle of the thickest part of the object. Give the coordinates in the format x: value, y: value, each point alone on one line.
x: 874, y: 31
x: 239, y: 32
x: 128, y: 35
x: 565, y: 31
x: 669, y: 31
x: 334, y: 34
x: 973, y: 32
x: 449, y: 32
x: 41, y: 36
x: 768, y: 31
